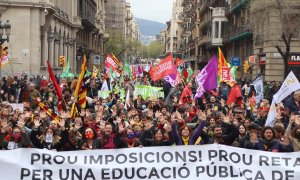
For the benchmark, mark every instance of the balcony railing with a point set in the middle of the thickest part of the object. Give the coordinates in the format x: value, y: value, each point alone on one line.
x: 241, y: 32
x: 238, y: 4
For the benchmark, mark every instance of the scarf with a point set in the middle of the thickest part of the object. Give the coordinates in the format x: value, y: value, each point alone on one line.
x: 110, y: 142
x: 185, y: 140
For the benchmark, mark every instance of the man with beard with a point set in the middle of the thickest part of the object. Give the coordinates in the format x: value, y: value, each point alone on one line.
x: 224, y: 132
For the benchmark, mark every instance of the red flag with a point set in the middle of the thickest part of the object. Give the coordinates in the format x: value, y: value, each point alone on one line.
x: 185, y: 73
x: 186, y: 96
x: 235, y: 95
x: 179, y: 62
x: 164, y: 68
x: 56, y: 86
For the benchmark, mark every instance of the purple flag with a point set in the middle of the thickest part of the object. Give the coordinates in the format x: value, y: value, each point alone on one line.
x: 207, y: 78
x: 171, y: 79
x: 140, y: 71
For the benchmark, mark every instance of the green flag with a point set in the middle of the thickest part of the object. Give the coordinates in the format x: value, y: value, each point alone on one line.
x: 233, y: 71
x: 112, y: 74
x: 87, y: 73
x: 190, y: 73
x: 66, y: 70
x: 127, y: 68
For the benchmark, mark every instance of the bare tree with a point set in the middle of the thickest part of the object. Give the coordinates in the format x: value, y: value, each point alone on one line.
x: 289, y: 27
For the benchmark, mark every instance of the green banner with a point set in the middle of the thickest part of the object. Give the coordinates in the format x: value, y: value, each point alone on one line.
x: 103, y: 94
x: 148, y: 91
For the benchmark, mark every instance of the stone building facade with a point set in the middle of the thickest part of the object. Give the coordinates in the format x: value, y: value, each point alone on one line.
x: 242, y: 29
x: 47, y: 29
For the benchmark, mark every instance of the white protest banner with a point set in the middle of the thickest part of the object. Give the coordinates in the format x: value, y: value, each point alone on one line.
x: 289, y: 85
x: 207, y: 162
x: 19, y: 106
x: 259, y: 88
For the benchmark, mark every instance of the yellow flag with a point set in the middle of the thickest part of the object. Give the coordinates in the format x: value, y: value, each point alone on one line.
x: 95, y: 71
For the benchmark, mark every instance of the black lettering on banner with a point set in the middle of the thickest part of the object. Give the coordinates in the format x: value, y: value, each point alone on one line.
x: 200, y: 156
x: 212, y: 154
x: 117, y: 173
x: 119, y: 158
x: 223, y: 155
x: 127, y: 174
x: 259, y: 176
x: 166, y: 154
x: 35, y: 157
x: 278, y: 175
x: 184, y: 170
x: 24, y: 173
x: 234, y: 155
x: 162, y: 172
x: 157, y: 157
x: 178, y: 156
x: 89, y: 175
x: 59, y: 159
x: 174, y: 172
x: 47, y: 174
x: 297, y: 162
x: 214, y: 171
x: 199, y: 170
x: 153, y: 172
x: 94, y: 160
x: 146, y: 157
x: 276, y: 161
x: 192, y: 155
x: 286, y: 160
x: 133, y: 158
x: 232, y: 172
x: 263, y: 159
x: 105, y: 173
x: 109, y: 158
x: 244, y: 173
x: 61, y: 177
x: 138, y: 173
x: 46, y: 158
x: 223, y: 172
x: 249, y: 160
x: 36, y: 174
x: 74, y: 161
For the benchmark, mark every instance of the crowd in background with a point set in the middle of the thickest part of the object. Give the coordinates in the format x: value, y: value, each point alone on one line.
x: 113, y: 122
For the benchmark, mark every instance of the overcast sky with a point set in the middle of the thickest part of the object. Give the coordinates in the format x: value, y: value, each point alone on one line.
x: 155, y: 10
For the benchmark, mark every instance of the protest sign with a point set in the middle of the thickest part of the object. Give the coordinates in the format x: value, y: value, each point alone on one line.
x: 19, y: 106
x: 148, y: 91
x: 259, y: 88
x: 175, y: 162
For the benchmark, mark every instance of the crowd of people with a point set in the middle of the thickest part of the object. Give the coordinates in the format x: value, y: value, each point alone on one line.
x: 113, y: 122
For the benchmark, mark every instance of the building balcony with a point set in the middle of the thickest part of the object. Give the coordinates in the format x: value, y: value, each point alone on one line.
x: 241, y: 33
x: 204, y: 6
x: 203, y: 58
x: 203, y: 40
x: 238, y: 4
x: 204, y: 23
x: 216, y: 42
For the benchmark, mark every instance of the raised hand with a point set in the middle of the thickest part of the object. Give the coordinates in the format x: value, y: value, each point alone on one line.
x: 201, y: 116
x: 167, y: 127
x: 36, y: 123
x: 62, y: 123
x: 121, y: 128
x: 285, y: 140
x: 43, y: 114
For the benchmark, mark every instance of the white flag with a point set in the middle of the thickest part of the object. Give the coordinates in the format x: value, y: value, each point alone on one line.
x: 259, y: 88
x: 290, y: 85
x: 104, y: 86
x: 127, y: 99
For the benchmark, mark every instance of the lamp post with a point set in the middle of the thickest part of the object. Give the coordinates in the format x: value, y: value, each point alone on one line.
x: 5, y: 29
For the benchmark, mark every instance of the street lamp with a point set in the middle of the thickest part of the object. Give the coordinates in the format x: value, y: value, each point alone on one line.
x: 4, y: 31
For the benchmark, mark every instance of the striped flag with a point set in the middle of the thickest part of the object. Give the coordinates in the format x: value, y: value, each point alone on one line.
x: 48, y: 111
x: 79, y: 84
x: 83, y: 92
x: 4, y: 60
